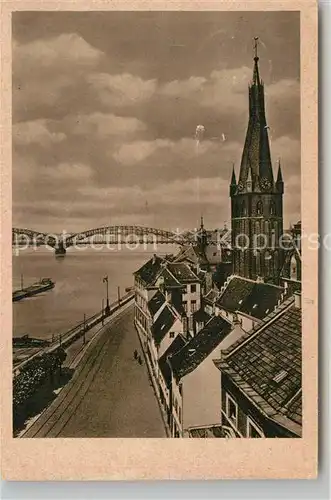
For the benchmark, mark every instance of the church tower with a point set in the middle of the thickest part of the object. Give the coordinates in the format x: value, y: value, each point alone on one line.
x: 256, y: 199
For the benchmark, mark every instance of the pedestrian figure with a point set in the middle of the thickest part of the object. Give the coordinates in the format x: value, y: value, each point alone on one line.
x: 140, y: 361
x: 135, y: 354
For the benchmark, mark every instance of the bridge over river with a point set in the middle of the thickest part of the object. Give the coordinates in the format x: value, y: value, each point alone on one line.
x: 111, y: 235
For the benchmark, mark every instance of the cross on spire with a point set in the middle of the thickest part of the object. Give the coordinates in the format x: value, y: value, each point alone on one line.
x: 256, y: 57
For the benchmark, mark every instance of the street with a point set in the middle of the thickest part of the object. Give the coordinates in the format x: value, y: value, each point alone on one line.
x: 110, y: 394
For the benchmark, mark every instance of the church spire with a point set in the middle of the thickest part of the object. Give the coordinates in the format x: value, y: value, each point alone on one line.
x: 256, y: 154
x: 279, y: 181
x: 233, y: 177
x: 202, y: 236
x: 279, y: 174
x: 233, y: 185
x: 256, y: 76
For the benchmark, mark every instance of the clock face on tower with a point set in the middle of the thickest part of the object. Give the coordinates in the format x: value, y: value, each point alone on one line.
x: 265, y: 184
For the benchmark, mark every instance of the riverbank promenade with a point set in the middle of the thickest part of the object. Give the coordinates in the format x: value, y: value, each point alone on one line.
x: 110, y: 393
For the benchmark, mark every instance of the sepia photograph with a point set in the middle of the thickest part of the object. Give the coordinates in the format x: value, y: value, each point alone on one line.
x: 156, y: 225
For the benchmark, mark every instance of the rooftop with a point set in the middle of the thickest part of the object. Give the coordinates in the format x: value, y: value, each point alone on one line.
x: 201, y: 316
x: 173, y: 275
x: 200, y: 346
x: 156, y: 302
x: 174, y: 347
x: 266, y: 365
x: 191, y: 253
x: 163, y: 324
x: 249, y: 297
x: 149, y: 271
x: 182, y: 272
x: 211, y: 296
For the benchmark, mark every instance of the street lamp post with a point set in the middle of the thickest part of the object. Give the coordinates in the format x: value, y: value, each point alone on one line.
x: 107, y: 310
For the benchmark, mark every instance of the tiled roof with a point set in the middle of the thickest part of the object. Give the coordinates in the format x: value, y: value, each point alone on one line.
x: 156, y: 302
x: 200, y: 255
x: 201, y: 316
x: 266, y: 366
x: 178, y: 307
x: 157, y: 267
x: 163, y: 324
x: 174, y: 347
x: 182, y: 272
x: 207, y: 431
x: 170, y: 280
x: 184, y: 254
x: 200, y: 346
x: 294, y: 408
x: 250, y: 297
x: 148, y: 272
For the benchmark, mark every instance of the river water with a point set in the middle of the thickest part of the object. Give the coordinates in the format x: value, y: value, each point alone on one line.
x: 79, y: 287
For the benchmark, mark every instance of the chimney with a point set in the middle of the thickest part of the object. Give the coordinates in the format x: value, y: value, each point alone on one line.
x: 297, y: 299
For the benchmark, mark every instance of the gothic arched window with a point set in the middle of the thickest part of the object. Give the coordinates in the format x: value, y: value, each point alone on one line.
x: 243, y: 209
x: 272, y: 208
x: 293, y: 268
x: 259, y: 208
x: 267, y: 262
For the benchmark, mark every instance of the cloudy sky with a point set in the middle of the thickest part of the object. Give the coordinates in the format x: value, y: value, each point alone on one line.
x: 105, y: 108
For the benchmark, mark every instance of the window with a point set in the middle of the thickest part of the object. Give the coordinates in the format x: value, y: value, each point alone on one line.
x: 243, y: 209
x: 272, y: 209
x: 193, y: 306
x: 259, y: 208
x: 172, y: 335
x: 253, y: 431
x: 193, y: 288
x: 232, y: 410
x: 185, y: 305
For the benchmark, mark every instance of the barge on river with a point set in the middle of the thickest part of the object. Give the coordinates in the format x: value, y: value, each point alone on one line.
x: 41, y: 286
